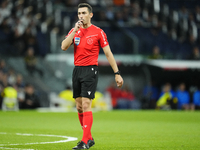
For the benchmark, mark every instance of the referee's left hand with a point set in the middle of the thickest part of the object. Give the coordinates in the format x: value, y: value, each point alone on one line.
x: 119, y: 80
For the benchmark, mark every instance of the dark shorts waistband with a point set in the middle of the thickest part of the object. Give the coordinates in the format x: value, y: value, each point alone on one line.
x: 85, y: 66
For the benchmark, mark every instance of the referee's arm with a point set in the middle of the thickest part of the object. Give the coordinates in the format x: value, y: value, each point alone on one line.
x: 113, y: 64
x: 67, y: 41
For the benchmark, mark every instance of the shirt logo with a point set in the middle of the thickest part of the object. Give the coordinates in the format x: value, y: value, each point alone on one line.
x: 89, y: 92
x: 90, y: 41
x: 77, y: 40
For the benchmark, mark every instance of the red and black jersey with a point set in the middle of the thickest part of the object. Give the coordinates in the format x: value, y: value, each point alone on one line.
x: 87, y: 43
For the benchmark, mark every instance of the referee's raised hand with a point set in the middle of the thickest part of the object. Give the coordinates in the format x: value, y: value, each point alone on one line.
x: 78, y: 25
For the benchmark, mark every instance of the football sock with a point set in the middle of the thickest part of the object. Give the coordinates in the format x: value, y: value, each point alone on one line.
x: 87, y: 125
x: 80, y: 116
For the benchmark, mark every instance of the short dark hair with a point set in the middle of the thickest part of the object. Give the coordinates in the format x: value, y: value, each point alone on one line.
x: 85, y: 5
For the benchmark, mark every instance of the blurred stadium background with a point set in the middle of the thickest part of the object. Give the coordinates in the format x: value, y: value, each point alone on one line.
x: 155, y: 43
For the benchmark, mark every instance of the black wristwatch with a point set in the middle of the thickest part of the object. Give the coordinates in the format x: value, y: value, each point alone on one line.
x: 118, y: 72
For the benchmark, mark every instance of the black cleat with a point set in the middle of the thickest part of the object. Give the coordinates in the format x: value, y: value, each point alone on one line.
x: 81, y: 145
x: 91, y: 143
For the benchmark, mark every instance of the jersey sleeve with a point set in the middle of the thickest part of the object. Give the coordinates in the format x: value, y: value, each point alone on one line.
x: 103, y: 39
x: 69, y: 32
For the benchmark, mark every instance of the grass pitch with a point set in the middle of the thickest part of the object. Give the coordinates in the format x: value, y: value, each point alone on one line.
x: 115, y: 130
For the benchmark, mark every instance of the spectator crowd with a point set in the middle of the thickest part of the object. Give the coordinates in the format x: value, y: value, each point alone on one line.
x: 171, y: 29
x: 18, y: 28
x: 179, y: 97
x: 14, y: 92
x: 172, y: 26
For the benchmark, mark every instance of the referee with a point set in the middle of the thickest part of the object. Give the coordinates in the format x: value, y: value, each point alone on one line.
x: 87, y: 39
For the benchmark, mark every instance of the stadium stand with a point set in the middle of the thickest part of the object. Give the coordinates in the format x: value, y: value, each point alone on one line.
x: 139, y: 25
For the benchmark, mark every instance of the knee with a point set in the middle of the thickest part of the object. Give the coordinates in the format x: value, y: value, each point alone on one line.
x: 86, y: 106
x: 79, y: 108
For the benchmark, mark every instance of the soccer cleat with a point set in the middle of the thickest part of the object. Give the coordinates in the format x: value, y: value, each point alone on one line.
x: 81, y: 145
x: 91, y: 142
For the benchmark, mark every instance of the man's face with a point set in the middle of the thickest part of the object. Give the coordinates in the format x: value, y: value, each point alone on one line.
x: 84, y: 15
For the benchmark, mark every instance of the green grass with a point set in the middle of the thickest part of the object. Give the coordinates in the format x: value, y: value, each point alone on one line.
x: 116, y: 130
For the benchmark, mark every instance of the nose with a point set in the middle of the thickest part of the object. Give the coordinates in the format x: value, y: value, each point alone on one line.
x: 81, y: 15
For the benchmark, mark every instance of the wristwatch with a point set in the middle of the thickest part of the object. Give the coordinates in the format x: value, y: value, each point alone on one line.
x: 118, y: 72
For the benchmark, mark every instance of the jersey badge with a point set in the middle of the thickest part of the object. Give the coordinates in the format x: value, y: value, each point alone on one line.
x: 77, y: 40
x: 90, y: 41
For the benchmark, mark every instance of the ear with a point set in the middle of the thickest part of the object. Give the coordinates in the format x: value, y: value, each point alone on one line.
x: 91, y: 15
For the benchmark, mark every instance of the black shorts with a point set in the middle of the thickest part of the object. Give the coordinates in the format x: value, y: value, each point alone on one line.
x: 85, y: 80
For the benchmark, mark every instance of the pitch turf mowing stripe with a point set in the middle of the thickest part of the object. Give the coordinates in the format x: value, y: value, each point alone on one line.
x: 120, y: 130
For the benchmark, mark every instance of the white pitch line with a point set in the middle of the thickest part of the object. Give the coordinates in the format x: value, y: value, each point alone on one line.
x: 15, y: 148
x: 66, y: 139
x: 3, y: 133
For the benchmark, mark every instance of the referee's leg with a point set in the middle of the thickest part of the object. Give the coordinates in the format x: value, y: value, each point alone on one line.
x: 87, y: 120
x: 78, y: 101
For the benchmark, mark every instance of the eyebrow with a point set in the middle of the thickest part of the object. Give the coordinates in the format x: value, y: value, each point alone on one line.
x: 81, y: 12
